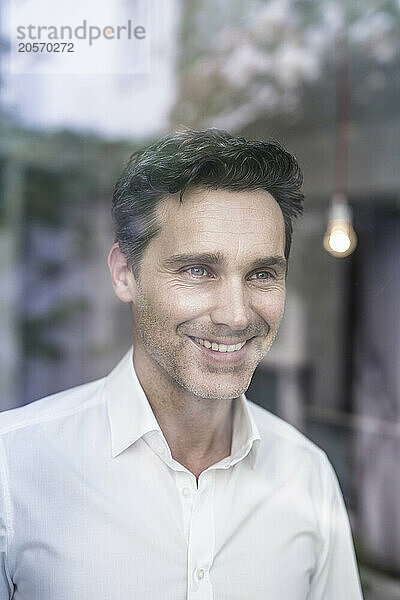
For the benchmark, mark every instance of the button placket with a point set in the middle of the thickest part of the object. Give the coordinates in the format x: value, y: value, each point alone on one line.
x: 185, y: 483
x: 201, y: 540
x: 186, y: 492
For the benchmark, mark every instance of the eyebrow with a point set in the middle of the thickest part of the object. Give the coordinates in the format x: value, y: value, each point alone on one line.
x: 217, y: 258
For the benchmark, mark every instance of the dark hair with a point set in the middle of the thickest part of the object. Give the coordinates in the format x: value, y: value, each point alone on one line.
x: 211, y: 158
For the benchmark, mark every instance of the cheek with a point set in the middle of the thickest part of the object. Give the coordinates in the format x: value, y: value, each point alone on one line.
x: 180, y: 302
x: 271, y: 306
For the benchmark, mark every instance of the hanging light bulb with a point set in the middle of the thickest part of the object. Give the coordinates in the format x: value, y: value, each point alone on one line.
x: 340, y: 238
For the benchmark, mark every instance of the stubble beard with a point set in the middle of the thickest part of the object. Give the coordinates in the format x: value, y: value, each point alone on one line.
x: 169, y: 358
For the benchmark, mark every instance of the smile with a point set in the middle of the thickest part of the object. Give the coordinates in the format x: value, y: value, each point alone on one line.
x: 220, y: 347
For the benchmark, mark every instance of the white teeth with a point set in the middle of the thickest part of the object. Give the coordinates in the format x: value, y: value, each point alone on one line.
x: 220, y: 347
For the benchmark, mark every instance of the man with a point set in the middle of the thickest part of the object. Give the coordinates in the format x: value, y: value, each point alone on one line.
x: 161, y: 480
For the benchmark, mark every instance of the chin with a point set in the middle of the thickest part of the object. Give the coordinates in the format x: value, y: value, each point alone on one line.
x: 219, y: 391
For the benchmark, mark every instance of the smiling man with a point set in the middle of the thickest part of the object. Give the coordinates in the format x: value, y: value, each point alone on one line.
x: 161, y: 480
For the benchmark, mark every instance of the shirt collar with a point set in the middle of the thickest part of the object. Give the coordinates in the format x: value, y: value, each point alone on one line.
x: 129, y: 412
x: 131, y: 417
x: 246, y: 437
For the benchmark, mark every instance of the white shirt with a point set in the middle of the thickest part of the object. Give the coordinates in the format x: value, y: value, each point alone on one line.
x: 93, y: 506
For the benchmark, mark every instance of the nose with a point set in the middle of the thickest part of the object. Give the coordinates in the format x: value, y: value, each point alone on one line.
x: 231, y: 305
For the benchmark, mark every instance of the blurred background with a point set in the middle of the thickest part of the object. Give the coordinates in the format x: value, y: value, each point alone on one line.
x: 321, y: 76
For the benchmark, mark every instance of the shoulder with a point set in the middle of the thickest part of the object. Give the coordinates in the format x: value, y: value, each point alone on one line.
x: 273, y: 427
x: 51, y: 408
x: 289, y: 450
x: 286, y: 457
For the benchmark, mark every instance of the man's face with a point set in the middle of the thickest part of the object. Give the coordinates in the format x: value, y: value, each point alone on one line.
x: 214, y: 276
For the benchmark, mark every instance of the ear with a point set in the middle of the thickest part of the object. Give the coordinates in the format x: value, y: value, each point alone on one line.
x: 122, y: 278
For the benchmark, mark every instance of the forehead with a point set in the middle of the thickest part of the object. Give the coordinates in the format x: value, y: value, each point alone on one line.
x: 224, y: 220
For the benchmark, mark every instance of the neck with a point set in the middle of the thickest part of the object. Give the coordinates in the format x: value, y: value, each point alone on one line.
x: 198, y: 430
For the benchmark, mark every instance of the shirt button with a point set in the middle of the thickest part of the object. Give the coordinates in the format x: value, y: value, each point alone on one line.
x: 199, y: 574
x: 186, y: 492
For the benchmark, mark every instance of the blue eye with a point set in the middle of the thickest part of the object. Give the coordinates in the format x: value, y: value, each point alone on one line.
x: 263, y: 275
x: 197, y: 271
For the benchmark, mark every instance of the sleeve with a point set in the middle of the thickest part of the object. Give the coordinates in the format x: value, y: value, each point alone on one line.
x: 336, y: 575
x: 6, y: 585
